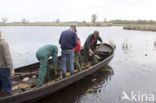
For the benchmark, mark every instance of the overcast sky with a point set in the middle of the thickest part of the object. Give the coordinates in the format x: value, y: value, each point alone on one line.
x: 77, y: 10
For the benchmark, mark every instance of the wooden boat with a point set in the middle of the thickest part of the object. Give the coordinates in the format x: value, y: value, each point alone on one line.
x: 32, y: 94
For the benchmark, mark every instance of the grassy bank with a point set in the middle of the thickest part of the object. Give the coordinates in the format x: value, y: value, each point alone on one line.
x: 57, y: 24
x: 142, y: 27
x: 146, y: 27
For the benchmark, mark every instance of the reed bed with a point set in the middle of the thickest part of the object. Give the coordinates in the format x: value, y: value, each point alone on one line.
x: 141, y: 27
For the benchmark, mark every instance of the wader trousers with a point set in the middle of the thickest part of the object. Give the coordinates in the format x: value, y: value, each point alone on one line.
x: 43, y: 71
x: 76, y: 61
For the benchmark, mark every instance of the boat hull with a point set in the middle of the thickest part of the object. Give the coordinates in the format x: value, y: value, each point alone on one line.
x: 42, y: 92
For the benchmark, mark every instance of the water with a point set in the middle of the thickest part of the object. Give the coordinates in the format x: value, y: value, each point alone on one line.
x: 132, y: 69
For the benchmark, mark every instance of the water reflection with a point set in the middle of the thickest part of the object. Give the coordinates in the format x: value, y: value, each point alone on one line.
x: 75, y: 92
x: 126, y: 46
x: 134, y: 66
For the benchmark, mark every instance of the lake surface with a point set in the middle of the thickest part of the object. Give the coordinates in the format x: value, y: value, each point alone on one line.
x: 132, y: 70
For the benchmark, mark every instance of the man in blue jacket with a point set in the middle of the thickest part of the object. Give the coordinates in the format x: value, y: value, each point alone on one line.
x: 68, y: 40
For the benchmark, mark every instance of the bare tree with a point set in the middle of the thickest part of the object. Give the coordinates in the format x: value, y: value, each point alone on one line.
x: 94, y: 18
x: 84, y: 21
x: 57, y: 20
x: 4, y: 20
x: 24, y: 20
x: 105, y: 19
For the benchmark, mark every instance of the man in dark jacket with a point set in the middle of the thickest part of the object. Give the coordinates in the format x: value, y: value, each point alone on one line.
x: 68, y: 40
x: 90, y: 45
x: 6, y: 69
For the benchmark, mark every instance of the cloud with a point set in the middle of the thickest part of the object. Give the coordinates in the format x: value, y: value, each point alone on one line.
x: 76, y: 10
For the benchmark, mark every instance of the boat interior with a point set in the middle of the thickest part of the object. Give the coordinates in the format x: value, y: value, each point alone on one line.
x: 26, y: 77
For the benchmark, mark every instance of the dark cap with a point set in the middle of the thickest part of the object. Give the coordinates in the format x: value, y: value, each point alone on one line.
x: 73, y: 26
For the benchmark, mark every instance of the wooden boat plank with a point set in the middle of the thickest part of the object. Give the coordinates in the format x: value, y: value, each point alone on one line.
x: 38, y: 93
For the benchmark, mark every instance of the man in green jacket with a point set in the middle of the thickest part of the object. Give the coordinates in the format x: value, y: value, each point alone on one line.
x: 90, y: 46
x: 43, y: 55
x: 6, y: 69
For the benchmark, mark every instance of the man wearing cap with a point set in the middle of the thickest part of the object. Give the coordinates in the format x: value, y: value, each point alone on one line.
x: 90, y: 45
x: 68, y: 40
x: 6, y: 69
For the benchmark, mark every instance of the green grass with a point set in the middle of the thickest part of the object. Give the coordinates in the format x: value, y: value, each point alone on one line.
x: 57, y: 24
x: 90, y: 90
x: 142, y: 27
x: 33, y: 24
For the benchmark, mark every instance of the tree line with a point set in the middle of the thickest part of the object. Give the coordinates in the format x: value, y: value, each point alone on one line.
x: 94, y: 18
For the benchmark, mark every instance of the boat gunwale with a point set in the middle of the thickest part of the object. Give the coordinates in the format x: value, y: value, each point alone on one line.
x: 90, y: 69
